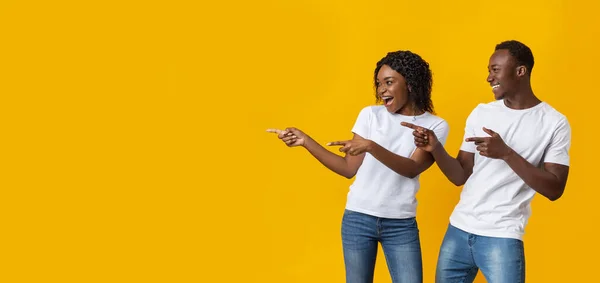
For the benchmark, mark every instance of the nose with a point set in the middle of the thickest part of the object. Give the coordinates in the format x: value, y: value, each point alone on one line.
x: 382, y: 90
x: 489, y: 78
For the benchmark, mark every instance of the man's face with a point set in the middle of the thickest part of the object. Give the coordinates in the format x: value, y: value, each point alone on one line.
x: 503, y: 73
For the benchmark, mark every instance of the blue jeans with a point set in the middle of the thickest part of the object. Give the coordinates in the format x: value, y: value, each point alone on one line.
x: 399, y: 239
x: 501, y: 260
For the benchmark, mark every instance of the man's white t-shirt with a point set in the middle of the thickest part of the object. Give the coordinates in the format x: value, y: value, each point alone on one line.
x: 495, y: 201
x: 378, y: 190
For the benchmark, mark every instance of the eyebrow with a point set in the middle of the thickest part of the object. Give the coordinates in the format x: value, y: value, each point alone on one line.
x: 386, y: 78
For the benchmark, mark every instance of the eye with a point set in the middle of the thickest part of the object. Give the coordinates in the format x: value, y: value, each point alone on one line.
x: 388, y: 82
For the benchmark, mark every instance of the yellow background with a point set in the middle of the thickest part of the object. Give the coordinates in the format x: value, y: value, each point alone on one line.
x: 134, y: 145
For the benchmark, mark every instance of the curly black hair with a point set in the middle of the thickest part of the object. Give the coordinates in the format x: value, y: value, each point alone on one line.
x: 519, y: 51
x: 417, y: 74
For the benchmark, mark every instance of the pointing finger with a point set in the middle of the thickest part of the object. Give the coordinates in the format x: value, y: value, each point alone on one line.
x: 337, y: 143
x: 474, y: 139
x: 409, y: 125
x: 276, y: 131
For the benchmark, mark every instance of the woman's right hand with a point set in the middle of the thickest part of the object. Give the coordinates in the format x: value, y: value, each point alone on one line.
x: 290, y: 136
x: 425, y: 139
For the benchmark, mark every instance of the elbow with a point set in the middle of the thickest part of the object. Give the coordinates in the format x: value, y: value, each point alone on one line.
x: 407, y: 174
x: 555, y: 196
x: 458, y: 182
x: 412, y: 175
x: 349, y: 175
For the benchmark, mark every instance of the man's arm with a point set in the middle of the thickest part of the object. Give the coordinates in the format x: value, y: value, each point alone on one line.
x: 549, y: 181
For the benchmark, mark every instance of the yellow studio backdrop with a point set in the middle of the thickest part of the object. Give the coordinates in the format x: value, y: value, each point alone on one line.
x: 134, y: 145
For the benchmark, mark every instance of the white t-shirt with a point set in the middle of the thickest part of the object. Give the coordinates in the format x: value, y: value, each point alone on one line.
x: 495, y: 201
x: 378, y: 190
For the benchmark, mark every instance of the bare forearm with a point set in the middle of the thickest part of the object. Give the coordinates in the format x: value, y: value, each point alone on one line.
x: 450, y: 166
x: 329, y: 159
x: 545, y: 183
x: 401, y: 165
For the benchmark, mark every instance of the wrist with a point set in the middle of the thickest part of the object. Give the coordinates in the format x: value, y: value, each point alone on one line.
x: 437, y: 148
x: 509, y: 154
x: 308, y: 141
x: 371, y: 146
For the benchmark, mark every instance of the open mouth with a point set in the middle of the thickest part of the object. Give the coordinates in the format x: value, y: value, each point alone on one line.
x: 495, y: 86
x: 387, y: 100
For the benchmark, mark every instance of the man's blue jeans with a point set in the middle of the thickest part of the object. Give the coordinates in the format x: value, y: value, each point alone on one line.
x: 501, y: 260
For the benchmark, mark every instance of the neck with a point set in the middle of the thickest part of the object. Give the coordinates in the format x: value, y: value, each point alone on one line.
x: 409, y: 110
x: 522, y: 99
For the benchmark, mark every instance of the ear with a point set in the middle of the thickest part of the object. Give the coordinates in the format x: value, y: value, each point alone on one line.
x: 409, y: 88
x: 521, y: 71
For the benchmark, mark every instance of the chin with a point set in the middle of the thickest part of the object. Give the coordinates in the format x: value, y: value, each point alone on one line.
x: 498, y: 96
x: 392, y: 109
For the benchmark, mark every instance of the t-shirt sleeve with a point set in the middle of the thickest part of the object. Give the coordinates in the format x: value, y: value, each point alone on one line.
x: 441, y: 131
x: 470, y: 132
x: 558, y: 149
x: 361, y: 126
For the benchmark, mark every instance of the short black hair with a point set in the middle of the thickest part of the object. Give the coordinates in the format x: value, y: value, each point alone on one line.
x: 415, y: 71
x: 519, y: 51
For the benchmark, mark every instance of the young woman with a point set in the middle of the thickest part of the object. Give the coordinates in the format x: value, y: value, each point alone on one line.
x: 381, y: 204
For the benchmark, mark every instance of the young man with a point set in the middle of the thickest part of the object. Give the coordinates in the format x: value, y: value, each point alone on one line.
x: 514, y: 147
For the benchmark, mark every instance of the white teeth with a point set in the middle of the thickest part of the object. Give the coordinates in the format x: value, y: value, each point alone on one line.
x: 495, y: 86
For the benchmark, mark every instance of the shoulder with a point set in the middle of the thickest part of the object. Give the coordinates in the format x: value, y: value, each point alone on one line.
x: 374, y: 109
x: 494, y: 105
x: 371, y: 109
x: 483, y: 107
x: 436, y: 121
x: 553, y: 118
x: 551, y: 112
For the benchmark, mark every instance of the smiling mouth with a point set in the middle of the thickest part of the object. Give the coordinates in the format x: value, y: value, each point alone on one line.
x: 387, y: 100
x: 495, y: 86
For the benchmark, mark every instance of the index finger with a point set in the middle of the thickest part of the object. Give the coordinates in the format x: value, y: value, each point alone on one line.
x: 277, y: 131
x: 338, y: 143
x: 409, y: 125
x: 474, y: 139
